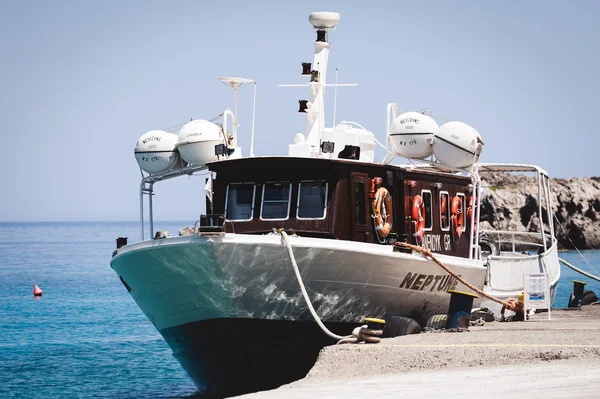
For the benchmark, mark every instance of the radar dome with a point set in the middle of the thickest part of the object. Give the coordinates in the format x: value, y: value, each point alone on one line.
x: 457, y: 145
x: 324, y: 20
x: 155, y: 151
x: 197, y: 141
x: 411, y: 135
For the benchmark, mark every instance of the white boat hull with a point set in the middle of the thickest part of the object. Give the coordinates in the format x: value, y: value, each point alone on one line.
x: 230, y: 308
x: 179, y: 280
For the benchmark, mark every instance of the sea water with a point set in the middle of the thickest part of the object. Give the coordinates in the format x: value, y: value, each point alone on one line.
x: 86, y: 337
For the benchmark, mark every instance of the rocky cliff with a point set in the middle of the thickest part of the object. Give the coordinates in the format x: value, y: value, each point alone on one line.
x: 510, y: 203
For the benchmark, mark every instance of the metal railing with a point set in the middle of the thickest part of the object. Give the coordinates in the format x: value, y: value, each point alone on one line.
x: 147, y: 188
x: 515, y: 240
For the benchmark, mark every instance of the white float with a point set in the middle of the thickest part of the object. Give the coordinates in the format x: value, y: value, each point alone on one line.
x: 411, y: 135
x: 457, y: 145
x: 197, y: 141
x: 155, y: 151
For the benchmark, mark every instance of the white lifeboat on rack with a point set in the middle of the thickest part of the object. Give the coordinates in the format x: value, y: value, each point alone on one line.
x: 199, y: 142
x: 411, y: 135
x: 155, y: 151
x: 457, y: 145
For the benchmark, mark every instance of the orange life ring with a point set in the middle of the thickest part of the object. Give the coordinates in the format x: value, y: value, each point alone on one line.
x: 470, y: 204
x: 382, y: 212
x: 456, y: 218
x: 443, y: 208
x: 418, y: 218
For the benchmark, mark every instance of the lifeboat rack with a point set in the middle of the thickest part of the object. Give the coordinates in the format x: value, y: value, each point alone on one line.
x: 147, y: 188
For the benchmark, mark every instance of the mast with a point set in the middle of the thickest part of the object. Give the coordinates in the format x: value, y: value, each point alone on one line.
x: 322, y: 22
x: 235, y: 84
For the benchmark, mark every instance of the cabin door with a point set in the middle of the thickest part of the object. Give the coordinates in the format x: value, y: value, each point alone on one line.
x: 360, y: 207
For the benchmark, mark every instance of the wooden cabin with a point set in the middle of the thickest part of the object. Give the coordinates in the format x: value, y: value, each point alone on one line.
x: 333, y: 198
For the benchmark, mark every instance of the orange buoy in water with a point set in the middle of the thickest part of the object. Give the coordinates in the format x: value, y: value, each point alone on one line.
x: 36, y: 290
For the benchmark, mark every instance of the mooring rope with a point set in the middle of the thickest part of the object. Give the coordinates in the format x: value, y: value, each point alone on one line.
x: 578, y: 270
x: 579, y: 252
x: 342, y: 339
x: 510, y: 304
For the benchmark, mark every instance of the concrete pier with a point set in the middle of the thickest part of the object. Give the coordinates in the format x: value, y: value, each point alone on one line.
x: 536, y: 358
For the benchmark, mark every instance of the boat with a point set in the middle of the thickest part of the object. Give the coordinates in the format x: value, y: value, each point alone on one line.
x: 226, y: 298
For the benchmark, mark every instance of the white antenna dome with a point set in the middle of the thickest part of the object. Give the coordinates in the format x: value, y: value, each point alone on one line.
x: 155, y: 151
x: 457, y: 145
x: 411, y: 135
x: 324, y: 20
x: 197, y: 141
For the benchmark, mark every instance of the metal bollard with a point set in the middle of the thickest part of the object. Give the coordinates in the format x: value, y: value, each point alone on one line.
x: 373, y: 332
x: 461, y: 304
x: 374, y: 324
x: 577, y: 294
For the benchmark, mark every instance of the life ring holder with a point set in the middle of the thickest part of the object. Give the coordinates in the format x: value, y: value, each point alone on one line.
x: 418, y: 219
x: 382, y: 213
x: 456, y: 219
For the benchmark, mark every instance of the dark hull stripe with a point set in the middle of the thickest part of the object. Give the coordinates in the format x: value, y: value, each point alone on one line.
x: 228, y: 357
x: 153, y: 152
x: 454, y: 145
x: 409, y: 134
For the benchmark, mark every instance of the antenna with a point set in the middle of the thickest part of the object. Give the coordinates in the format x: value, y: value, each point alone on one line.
x: 235, y: 84
x: 335, y: 97
x: 314, y: 106
x: 253, y: 115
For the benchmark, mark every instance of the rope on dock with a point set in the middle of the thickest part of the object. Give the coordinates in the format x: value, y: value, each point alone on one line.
x: 510, y: 304
x: 342, y: 339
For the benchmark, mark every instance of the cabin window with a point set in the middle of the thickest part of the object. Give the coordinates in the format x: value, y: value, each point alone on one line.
x: 276, y: 201
x: 312, y: 200
x: 426, y: 194
x: 359, y: 203
x: 445, y: 206
x: 239, y: 201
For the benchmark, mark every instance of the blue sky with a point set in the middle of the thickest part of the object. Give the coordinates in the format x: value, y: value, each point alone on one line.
x: 81, y: 81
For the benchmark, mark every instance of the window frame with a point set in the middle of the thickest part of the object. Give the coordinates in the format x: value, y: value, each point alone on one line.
x: 325, y: 203
x: 430, y: 209
x: 253, y: 201
x: 448, y: 211
x: 262, y: 201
